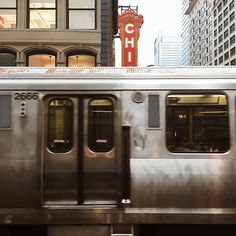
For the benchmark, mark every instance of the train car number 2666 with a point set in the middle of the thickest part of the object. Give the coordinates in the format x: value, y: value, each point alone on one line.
x: 26, y: 96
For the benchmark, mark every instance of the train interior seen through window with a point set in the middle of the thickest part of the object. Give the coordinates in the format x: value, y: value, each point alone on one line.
x: 197, y: 123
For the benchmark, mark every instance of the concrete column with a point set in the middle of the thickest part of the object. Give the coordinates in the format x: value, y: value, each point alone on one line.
x: 98, y: 14
x: 22, y: 14
x: 61, y: 60
x: 99, y: 63
x: 20, y: 60
x: 61, y: 14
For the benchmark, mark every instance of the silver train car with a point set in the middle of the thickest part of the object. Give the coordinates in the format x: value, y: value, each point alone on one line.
x: 126, y: 151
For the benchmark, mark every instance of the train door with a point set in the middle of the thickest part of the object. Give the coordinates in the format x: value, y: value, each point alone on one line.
x: 80, y: 158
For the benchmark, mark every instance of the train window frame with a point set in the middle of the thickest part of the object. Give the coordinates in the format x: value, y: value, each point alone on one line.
x: 70, y: 136
x: 90, y: 142
x: 153, y: 122
x: 192, y: 106
x: 11, y: 104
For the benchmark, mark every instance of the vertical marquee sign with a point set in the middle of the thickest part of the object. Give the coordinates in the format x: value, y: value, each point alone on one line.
x: 129, y: 23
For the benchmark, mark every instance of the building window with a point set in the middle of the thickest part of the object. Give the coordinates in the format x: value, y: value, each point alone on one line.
x: 215, y: 33
x: 232, y: 28
x: 220, y: 28
x: 215, y: 13
x: 221, y: 38
x: 232, y: 17
x: 226, y: 44
x: 41, y: 59
x: 81, y: 59
x: 7, y: 14
x: 42, y: 14
x: 220, y: 59
x: 231, y: 5
x: 226, y: 34
x: 226, y: 11
x: 221, y: 49
x: 7, y: 58
x: 215, y: 53
x: 215, y: 23
x: 219, y: 7
x: 232, y: 40
x: 232, y: 63
x: 226, y: 22
x: 226, y: 56
x: 232, y: 51
x: 225, y: 2
x: 220, y: 18
x: 82, y: 14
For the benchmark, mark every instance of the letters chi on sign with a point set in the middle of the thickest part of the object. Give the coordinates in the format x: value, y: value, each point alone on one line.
x: 129, y: 23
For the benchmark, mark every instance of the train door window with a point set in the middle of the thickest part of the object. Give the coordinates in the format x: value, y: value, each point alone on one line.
x: 197, y: 123
x: 100, y: 125
x: 60, y: 125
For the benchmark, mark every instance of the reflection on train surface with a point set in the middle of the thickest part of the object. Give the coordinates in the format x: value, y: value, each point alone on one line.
x: 126, y: 151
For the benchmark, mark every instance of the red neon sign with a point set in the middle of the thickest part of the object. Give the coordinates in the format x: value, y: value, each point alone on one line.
x: 129, y: 23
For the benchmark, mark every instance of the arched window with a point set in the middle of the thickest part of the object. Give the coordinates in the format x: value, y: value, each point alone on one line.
x: 41, y: 59
x: 81, y: 59
x: 7, y: 58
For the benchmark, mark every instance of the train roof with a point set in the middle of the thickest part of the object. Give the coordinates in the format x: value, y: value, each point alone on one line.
x: 120, y: 78
x: 118, y: 72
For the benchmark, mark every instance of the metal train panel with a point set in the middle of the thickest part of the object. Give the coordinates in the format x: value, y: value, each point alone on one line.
x: 20, y: 163
x: 114, y: 150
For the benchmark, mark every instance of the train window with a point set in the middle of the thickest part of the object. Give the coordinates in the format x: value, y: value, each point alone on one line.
x: 197, y: 123
x: 153, y: 111
x: 100, y: 125
x: 5, y: 111
x: 60, y: 125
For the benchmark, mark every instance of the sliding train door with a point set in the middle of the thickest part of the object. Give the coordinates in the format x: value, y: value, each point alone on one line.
x: 80, y: 159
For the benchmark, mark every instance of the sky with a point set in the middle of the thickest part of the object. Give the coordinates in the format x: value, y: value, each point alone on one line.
x: 159, y: 16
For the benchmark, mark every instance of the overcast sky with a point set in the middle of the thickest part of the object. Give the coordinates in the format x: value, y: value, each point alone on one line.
x: 159, y: 15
